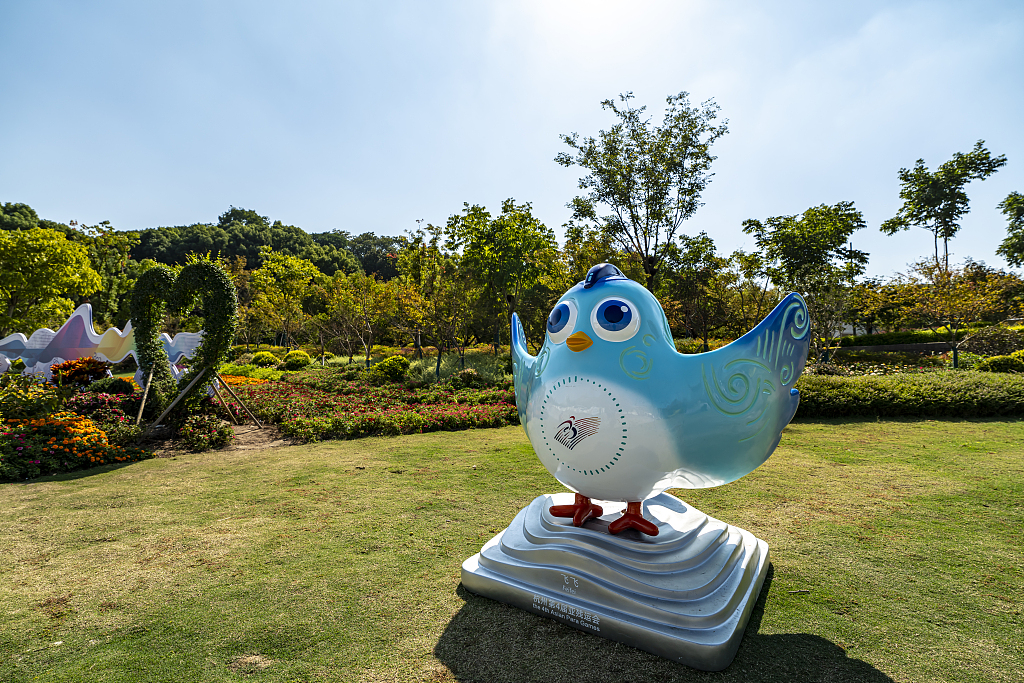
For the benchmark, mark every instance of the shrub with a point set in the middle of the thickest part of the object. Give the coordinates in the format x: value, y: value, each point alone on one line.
x: 250, y: 371
x: 112, y: 385
x: 265, y: 359
x: 886, y: 338
x: 126, y: 365
x: 296, y: 360
x: 25, y: 396
x: 63, y: 442
x: 828, y: 369
x: 491, y: 368
x: 1010, y: 363
x: 965, y: 360
x: 965, y: 394
x: 351, y: 372
x: 119, y: 427
x: 390, y: 369
x: 995, y: 341
x: 467, y: 379
x: 205, y: 432
x: 79, y: 371
x: 381, y: 351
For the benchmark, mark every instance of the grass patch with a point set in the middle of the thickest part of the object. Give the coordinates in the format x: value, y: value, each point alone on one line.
x: 340, y: 561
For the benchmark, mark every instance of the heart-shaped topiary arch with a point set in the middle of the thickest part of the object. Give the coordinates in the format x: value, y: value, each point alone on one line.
x: 158, y: 291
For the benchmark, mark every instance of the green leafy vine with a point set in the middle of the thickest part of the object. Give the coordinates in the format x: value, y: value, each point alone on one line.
x: 157, y: 292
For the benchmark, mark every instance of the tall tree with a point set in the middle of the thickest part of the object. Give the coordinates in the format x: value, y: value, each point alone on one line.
x: 280, y: 284
x: 1012, y: 248
x: 242, y: 232
x: 110, y: 257
x: 507, y: 255
x: 587, y: 245
x: 753, y: 293
x: 936, y: 201
x: 699, y: 279
x: 374, y: 308
x: 949, y: 301
x: 649, y: 177
x: 39, y: 270
x: 810, y: 254
x: 18, y: 217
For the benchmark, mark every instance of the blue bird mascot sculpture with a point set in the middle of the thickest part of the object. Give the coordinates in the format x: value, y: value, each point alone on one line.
x: 618, y: 416
x: 615, y: 413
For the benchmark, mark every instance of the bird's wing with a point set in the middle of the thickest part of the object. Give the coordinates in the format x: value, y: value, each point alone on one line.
x: 776, y: 349
x: 745, y: 391
x: 522, y: 368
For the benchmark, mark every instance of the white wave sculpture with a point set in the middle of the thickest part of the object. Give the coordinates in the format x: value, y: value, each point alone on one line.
x: 77, y: 338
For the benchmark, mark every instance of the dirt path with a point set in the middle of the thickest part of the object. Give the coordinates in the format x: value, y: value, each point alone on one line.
x: 248, y: 437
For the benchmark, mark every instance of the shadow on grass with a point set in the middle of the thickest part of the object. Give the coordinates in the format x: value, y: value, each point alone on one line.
x: 491, y: 641
x: 71, y: 476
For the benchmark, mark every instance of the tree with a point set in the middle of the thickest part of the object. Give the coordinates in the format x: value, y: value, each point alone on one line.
x: 889, y: 305
x: 437, y: 297
x: 280, y: 284
x: 753, y: 295
x: 1012, y: 248
x: 937, y: 201
x: 18, y: 217
x: 110, y: 256
x: 650, y: 178
x: 242, y: 232
x: 507, y: 255
x: 700, y: 281
x: 949, y: 301
x: 39, y: 270
x: 809, y: 254
x: 375, y: 253
x: 586, y: 246
x: 374, y: 307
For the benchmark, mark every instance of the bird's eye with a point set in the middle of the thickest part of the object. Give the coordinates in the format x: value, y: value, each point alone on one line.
x: 562, y: 321
x: 615, y: 320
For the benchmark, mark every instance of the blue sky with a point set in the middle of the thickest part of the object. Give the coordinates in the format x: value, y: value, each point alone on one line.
x: 371, y: 115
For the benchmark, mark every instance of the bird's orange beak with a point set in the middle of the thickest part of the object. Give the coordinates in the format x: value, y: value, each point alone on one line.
x: 579, y: 341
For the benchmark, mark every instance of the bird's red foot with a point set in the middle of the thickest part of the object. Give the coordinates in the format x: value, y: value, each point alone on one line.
x: 633, y: 518
x: 580, y: 511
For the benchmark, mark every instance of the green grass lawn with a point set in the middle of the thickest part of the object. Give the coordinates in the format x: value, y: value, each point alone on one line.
x: 897, y: 548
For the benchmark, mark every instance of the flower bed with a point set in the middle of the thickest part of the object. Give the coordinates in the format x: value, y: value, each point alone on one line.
x: 352, y: 409
x: 63, y: 442
x: 238, y: 381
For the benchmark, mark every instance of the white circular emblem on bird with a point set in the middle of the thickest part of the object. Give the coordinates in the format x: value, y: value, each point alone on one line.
x: 589, y: 441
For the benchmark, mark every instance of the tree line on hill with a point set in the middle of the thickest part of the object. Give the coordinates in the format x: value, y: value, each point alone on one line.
x: 456, y: 284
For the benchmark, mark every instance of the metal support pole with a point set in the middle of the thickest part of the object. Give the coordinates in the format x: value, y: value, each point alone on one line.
x: 240, y: 402
x: 225, y: 403
x: 175, y: 401
x: 144, y: 395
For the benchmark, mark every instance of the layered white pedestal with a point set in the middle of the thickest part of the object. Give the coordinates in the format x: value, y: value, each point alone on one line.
x: 685, y: 594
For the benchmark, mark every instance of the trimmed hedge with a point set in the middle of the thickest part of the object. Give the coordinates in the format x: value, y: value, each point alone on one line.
x: 390, y: 369
x: 996, y: 341
x: 959, y: 394
x: 1011, y: 363
x: 296, y: 360
x: 265, y: 359
x: 919, y: 337
x: 112, y: 385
